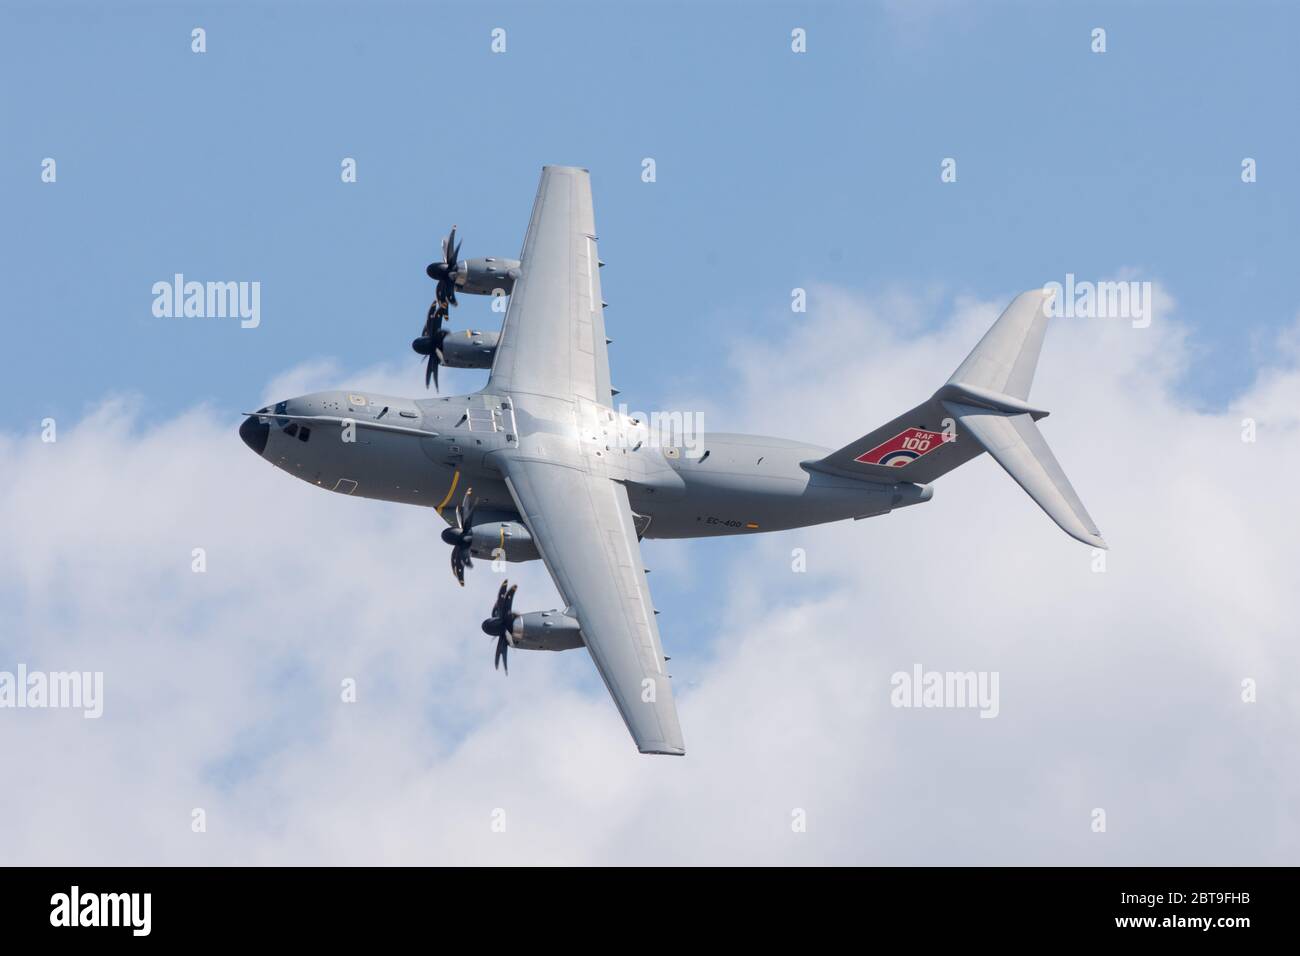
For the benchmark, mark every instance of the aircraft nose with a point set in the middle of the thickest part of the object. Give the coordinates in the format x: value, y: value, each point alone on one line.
x: 255, y: 434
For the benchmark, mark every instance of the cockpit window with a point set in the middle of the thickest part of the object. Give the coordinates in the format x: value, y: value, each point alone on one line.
x: 304, y: 434
x: 292, y: 429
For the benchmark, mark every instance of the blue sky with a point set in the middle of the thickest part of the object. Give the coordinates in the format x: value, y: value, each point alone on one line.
x: 774, y: 170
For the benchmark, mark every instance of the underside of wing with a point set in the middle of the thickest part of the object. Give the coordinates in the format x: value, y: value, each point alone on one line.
x: 582, y: 525
x: 553, y: 339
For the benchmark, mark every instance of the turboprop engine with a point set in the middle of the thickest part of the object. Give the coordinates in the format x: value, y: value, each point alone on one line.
x: 535, y: 631
x: 465, y: 349
x: 510, y: 538
x: 487, y: 276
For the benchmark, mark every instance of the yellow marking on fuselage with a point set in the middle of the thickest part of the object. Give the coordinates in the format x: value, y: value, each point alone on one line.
x: 455, y: 479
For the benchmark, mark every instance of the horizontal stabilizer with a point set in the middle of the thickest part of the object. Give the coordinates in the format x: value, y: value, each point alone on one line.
x: 1017, y: 445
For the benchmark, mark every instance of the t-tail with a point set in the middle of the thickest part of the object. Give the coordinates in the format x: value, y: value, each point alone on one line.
x: 982, y: 407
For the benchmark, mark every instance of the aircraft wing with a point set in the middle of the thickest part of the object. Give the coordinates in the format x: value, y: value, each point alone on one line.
x: 553, y: 339
x: 552, y: 355
x: 582, y: 525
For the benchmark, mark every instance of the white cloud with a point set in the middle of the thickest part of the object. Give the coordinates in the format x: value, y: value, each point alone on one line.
x: 1118, y: 690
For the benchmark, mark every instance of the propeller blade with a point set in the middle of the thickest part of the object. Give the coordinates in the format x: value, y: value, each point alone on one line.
x: 430, y: 345
x: 464, y: 519
x: 501, y: 597
x: 499, y: 660
x: 457, y: 566
x: 445, y: 295
x: 460, y: 512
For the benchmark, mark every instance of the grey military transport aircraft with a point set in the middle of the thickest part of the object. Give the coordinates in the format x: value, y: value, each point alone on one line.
x: 540, y: 465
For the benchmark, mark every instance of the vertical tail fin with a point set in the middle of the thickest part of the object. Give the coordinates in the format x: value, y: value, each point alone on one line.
x: 1004, y: 361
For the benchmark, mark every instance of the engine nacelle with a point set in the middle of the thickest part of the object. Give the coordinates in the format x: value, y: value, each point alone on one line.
x: 469, y: 349
x: 545, y: 631
x: 486, y: 276
x: 510, y: 538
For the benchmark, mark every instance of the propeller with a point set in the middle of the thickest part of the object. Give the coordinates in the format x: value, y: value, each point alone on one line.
x: 460, y: 539
x: 444, y: 273
x: 430, y: 344
x: 499, y: 624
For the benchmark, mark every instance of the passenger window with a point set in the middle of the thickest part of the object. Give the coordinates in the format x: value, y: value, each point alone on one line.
x: 291, y: 429
x: 304, y: 434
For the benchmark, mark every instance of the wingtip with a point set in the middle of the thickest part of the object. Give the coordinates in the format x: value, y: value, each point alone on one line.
x: 1092, y: 539
x: 664, y: 751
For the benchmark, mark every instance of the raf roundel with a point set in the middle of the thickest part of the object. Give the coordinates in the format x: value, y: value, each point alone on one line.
x: 903, y: 449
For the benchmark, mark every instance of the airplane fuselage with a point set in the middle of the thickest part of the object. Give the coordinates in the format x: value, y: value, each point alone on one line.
x: 430, y: 452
